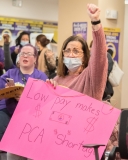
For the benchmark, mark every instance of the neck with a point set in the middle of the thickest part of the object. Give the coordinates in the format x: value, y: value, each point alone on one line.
x: 77, y: 72
x: 26, y: 70
x: 41, y: 48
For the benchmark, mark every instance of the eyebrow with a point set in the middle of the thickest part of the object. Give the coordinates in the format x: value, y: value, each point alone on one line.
x: 75, y: 48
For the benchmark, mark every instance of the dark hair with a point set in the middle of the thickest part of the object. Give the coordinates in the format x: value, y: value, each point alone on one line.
x: 62, y: 69
x: 43, y: 40
x: 110, y: 51
x: 18, y: 40
x: 90, y: 46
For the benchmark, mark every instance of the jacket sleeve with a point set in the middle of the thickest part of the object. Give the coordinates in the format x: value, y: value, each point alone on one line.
x: 110, y: 63
x: 8, y: 63
x: 98, y: 64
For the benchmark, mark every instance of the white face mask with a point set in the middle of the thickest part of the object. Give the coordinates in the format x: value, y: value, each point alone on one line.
x: 72, y: 63
x: 23, y: 43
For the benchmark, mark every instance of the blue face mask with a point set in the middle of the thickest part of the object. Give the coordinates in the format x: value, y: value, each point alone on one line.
x: 23, y: 43
x: 72, y: 63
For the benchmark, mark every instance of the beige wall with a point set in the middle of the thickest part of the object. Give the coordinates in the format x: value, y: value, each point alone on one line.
x: 72, y: 11
x: 119, y: 23
x: 124, y: 91
x: 75, y: 11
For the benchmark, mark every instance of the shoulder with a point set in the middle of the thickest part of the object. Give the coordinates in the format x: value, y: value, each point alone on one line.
x: 12, y: 72
x: 44, y: 50
x: 40, y: 75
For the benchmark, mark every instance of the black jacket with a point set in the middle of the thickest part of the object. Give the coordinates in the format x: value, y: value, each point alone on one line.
x: 108, y: 89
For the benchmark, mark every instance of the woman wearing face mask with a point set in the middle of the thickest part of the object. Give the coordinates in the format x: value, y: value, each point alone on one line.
x: 21, y: 41
x: 46, y: 59
x: 75, y: 70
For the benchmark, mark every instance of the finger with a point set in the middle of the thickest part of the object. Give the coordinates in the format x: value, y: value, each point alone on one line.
x: 47, y: 80
x: 6, y: 85
x: 93, y: 8
x: 88, y: 7
x: 52, y: 82
x: 55, y: 84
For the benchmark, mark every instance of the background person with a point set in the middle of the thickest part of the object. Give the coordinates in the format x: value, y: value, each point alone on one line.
x: 21, y: 41
x: 46, y: 59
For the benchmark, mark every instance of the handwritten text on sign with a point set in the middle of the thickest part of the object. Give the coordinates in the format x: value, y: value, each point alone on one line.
x: 54, y: 124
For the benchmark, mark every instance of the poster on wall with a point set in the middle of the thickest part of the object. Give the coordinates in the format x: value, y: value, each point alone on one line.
x: 35, y: 27
x: 112, y: 39
x: 13, y: 27
x: 80, y: 29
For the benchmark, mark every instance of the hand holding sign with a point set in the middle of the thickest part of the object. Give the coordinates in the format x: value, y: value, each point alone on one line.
x: 11, y: 92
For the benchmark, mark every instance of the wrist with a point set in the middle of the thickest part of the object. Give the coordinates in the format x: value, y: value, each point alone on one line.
x: 95, y: 22
x: 95, y: 19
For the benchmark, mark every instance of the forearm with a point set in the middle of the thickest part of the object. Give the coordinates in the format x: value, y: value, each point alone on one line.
x: 8, y: 61
x: 98, y: 64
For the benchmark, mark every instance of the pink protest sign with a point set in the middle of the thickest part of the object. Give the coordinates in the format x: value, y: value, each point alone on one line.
x: 53, y: 124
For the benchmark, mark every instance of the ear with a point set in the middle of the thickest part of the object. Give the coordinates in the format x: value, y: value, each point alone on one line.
x: 38, y: 42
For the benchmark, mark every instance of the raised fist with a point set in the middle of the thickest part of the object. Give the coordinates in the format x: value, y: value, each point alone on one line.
x: 93, y: 12
x: 6, y: 38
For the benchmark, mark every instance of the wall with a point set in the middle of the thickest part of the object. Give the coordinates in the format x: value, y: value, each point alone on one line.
x: 72, y: 11
x: 46, y: 10
x: 119, y: 23
x: 124, y: 91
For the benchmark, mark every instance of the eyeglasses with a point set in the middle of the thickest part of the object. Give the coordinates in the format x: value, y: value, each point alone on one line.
x: 75, y: 52
x: 23, y: 54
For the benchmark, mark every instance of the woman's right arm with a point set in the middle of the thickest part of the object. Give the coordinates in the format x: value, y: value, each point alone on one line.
x: 8, y: 64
